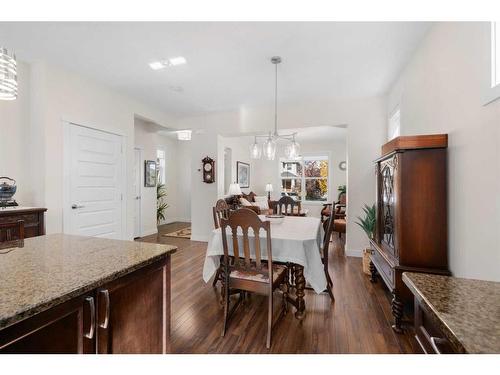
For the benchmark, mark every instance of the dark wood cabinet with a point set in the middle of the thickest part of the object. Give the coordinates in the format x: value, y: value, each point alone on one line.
x: 411, y: 232
x: 128, y: 315
x: 65, y: 329
x: 33, y: 217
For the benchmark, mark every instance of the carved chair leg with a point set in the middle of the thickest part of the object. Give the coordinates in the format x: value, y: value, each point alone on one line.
x: 373, y: 273
x: 269, y: 321
x: 397, y: 312
x: 285, y: 289
x: 222, y: 278
x: 226, y: 305
x: 217, y: 277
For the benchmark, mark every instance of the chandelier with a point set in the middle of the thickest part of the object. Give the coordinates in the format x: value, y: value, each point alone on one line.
x: 268, y: 149
x: 8, y: 75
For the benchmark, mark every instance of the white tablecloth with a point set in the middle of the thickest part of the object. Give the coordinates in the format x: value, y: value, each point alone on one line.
x: 296, y: 240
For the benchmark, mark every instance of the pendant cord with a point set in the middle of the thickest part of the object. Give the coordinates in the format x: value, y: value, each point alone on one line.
x: 276, y: 101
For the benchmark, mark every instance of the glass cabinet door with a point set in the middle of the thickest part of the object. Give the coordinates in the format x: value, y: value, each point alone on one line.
x: 387, y: 202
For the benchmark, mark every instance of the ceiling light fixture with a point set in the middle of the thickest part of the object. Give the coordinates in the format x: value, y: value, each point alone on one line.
x: 292, y: 150
x: 173, y: 61
x: 8, y: 75
x: 184, y: 135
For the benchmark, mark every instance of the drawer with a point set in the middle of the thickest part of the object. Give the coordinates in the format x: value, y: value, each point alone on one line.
x: 428, y: 335
x: 27, y: 218
x: 384, y: 268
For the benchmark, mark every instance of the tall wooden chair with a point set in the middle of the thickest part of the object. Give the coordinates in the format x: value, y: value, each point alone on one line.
x: 250, y: 273
x: 221, y: 210
x: 328, y: 226
x: 287, y: 205
x: 13, y: 231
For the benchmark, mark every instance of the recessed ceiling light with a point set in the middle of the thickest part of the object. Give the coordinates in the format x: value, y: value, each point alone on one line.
x: 174, y: 61
x: 156, y: 65
x: 179, y: 60
x: 184, y: 135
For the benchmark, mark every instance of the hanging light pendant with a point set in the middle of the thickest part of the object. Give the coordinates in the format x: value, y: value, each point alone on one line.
x: 270, y: 148
x: 292, y: 150
x: 255, y: 150
x: 8, y: 75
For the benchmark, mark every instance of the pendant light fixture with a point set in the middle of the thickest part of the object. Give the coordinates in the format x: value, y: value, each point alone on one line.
x: 8, y: 75
x: 292, y: 150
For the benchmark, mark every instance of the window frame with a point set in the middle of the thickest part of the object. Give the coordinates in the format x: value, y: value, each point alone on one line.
x: 492, y: 78
x: 395, y: 114
x: 161, y: 173
x: 303, y: 178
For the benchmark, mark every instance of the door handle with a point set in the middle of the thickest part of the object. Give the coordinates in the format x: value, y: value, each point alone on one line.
x: 138, y: 197
x: 90, y: 333
x: 105, y: 293
x: 74, y: 206
x: 435, y: 341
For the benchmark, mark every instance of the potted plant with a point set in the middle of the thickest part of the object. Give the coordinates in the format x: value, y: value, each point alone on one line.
x: 161, y: 205
x: 367, y: 223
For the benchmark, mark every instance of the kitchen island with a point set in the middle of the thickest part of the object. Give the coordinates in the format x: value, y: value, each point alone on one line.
x: 455, y: 315
x: 73, y: 294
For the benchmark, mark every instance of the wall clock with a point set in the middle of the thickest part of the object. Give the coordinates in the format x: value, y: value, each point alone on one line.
x: 343, y: 165
x: 208, y: 170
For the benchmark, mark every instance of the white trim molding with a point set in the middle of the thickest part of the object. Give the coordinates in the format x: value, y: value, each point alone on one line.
x: 354, y: 253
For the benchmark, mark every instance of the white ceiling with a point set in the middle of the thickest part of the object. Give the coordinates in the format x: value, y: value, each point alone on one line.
x: 227, y: 63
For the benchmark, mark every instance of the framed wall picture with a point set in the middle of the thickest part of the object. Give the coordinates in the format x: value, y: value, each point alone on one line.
x: 243, y: 174
x: 149, y: 173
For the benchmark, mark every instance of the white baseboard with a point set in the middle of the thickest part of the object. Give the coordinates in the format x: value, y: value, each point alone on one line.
x: 148, y: 232
x: 200, y: 238
x: 354, y: 253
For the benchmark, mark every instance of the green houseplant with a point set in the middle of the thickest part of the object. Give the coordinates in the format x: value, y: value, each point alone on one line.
x: 368, y: 224
x: 161, y: 205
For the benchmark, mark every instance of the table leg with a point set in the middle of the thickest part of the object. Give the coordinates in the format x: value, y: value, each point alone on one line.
x: 300, y: 283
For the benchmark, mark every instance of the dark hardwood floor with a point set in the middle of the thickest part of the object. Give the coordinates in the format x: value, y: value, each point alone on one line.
x: 359, y: 321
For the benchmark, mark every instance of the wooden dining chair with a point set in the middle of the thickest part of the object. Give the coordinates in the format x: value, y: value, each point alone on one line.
x: 250, y: 273
x: 328, y: 226
x: 12, y: 231
x: 220, y: 210
x: 287, y: 205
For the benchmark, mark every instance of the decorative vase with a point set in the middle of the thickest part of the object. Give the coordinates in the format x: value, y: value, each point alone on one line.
x: 366, y: 261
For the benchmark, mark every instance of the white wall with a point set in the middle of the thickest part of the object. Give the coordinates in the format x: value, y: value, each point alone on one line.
x: 441, y: 91
x: 15, y: 157
x: 57, y: 95
x: 366, y: 120
x: 149, y: 141
x: 184, y: 191
x: 240, y: 152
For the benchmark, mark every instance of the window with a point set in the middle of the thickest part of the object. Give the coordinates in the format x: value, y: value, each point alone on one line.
x: 492, y: 76
x: 305, y: 179
x: 495, y: 54
x: 394, y: 124
x: 160, y: 166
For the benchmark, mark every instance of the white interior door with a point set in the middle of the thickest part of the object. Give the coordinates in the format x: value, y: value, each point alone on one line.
x: 137, y: 192
x: 96, y: 184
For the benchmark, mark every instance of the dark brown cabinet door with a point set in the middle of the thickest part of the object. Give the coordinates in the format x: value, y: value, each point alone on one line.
x: 131, y: 313
x: 66, y: 329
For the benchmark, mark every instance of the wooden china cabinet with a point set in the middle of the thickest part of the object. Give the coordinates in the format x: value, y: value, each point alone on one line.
x: 411, y: 232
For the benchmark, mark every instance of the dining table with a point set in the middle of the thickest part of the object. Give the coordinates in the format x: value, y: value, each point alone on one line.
x: 295, y: 240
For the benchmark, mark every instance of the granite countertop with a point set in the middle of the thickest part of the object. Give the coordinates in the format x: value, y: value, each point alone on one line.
x: 468, y: 310
x: 52, y: 269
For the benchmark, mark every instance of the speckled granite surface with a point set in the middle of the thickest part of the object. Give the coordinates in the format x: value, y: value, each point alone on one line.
x: 468, y: 310
x: 52, y: 269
